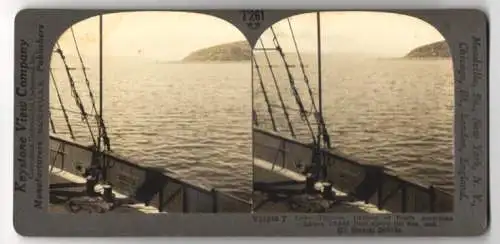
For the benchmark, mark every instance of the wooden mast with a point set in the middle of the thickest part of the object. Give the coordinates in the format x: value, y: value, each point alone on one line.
x: 100, y: 83
x: 101, y: 125
x: 320, y: 97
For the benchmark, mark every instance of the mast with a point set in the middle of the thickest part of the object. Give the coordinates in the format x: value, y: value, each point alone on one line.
x: 102, y: 160
x: 321, y: 124
x: 320, y: 97
x: 100, y: 83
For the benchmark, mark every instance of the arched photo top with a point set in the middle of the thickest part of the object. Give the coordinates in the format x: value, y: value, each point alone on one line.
x: 165, y: 35
x: 169, y: 94
x: 367, y: 88
x: 372, y: 33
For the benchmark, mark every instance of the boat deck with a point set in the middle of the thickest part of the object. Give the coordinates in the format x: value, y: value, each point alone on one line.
x: 68, y: 189
x: 282, y: 193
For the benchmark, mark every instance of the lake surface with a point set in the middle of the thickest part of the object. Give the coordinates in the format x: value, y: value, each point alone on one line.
x: 195, y: 119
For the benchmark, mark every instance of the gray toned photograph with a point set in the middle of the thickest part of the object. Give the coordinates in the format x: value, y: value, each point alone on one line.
x: 352, y: 113
x: 174, y: 112
x: 258, y: 122
x: 150, y: 112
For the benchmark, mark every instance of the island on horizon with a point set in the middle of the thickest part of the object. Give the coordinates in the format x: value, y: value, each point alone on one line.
x: 433, y: 50
x: 241, y: 51
x: 228, y: 52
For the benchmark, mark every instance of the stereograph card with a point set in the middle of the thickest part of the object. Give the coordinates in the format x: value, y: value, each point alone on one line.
x: 251, y: 122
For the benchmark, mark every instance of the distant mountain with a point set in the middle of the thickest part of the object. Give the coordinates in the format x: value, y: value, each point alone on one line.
x: 234, y: 51
x: 433, y: 50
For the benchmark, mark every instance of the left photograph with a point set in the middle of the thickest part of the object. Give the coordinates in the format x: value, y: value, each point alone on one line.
x: 151, y: 112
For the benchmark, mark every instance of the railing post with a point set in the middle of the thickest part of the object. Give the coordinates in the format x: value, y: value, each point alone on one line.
x: 214, y: 201
x: 432, y: 199
x: 184, y: 199
x: 63, y: 149
x: 284, y: 155
x: 160, y: 199
x: 403, y: 198
x: 380, y: 189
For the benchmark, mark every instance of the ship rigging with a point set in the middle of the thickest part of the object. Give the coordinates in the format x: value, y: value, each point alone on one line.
x: 316, y: 162
x: 288, y: 167
x: 319, y: 137
x: 110, y: 180
x: 96, y: 172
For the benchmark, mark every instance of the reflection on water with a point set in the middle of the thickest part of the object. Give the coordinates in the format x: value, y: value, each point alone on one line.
x: 195, y: 119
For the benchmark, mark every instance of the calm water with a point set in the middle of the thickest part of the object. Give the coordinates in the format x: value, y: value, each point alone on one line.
x: 398, y: 113
x: 195, y: 119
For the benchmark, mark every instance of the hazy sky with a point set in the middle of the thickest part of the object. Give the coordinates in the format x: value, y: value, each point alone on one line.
x: 173, y: 35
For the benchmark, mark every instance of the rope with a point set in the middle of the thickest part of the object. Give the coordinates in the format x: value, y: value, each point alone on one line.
x: 266, y: 98
x: 287, y: 116
x: 292, y: 109
x: 70, y: 129
x: 69, y: 111
x: 74, y: 92
x: 301, y: 64
x: 98, y: 118
x: 319, y: 119
x: 84, y: 73
x: 295, y: 93
x: 60, y: 150
x: 52, y: 126
x: 255, y: 118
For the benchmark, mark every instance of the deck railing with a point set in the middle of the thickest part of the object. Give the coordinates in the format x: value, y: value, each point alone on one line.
x: 367, y: 182
x: 159, y: 188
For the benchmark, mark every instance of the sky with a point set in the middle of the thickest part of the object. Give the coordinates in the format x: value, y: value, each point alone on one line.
x: 173, y: 35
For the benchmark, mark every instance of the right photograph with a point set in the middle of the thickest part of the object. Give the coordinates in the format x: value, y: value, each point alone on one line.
x: 352, y: 113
